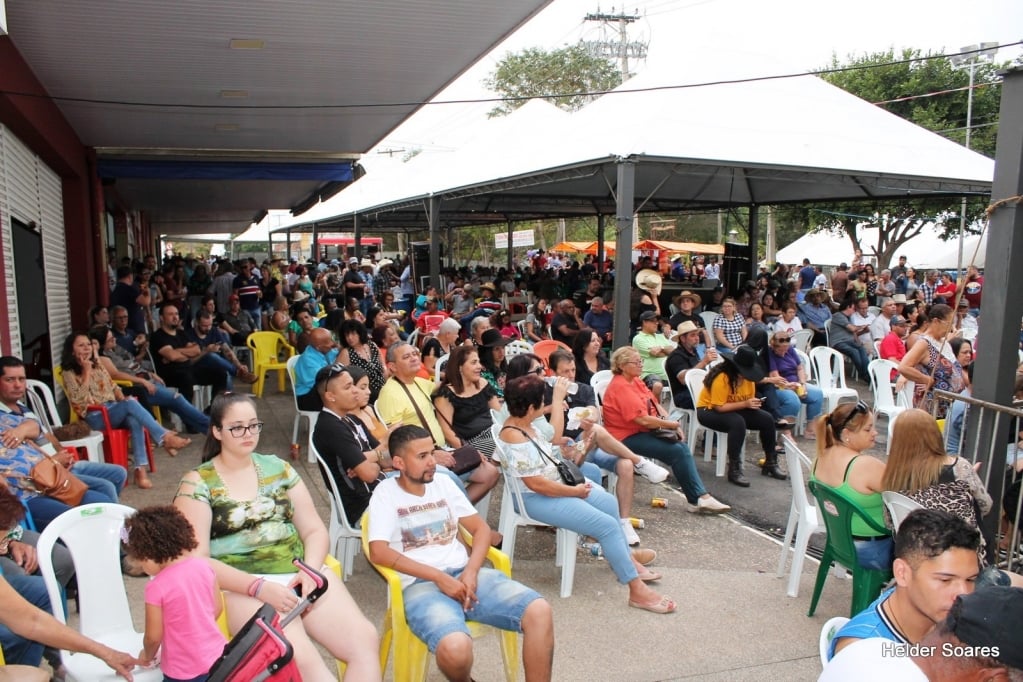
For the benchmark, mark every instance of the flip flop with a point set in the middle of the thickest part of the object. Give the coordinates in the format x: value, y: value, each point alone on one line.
x: 665, y: 605
x: 644, y: 556
x: 649, y: 577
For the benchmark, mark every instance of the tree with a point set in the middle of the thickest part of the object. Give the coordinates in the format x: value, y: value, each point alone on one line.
x: 931, y: 93
x: 565, y: 77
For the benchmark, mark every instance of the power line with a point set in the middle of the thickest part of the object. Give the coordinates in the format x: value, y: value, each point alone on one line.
x: 482, y: 100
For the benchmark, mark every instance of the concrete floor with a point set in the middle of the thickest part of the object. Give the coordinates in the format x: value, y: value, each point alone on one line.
x: 735, y: 622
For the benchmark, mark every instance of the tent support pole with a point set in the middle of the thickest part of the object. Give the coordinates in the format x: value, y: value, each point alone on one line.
x: 626, y: 187
x: 357, y: 228
x: 450, y: 241
x: 434, y: 220
x: 601, y: 225
x: 754, y: 237
x: 510, y: 251
x: 315, y: 255
x: 287, y: 245
x: 1002, y: 304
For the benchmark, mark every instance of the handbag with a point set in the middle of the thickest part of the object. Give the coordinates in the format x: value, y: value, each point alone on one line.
x: 466, y: 457
x: 669, y: 435
x: 52, y: 479
x: 568, y: 470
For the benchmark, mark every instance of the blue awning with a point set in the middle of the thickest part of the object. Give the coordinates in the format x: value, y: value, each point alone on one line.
x: 330, y: 171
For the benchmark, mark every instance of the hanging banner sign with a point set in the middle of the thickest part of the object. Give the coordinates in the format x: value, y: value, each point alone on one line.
x: 521, y: 238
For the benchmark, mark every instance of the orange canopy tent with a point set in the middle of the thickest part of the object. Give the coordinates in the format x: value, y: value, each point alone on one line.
x: 679, y: 247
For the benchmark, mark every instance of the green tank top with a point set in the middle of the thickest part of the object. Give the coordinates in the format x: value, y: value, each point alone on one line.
x: 871, y: 503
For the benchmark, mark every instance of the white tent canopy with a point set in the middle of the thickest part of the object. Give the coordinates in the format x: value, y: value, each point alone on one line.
x: 926, y: 250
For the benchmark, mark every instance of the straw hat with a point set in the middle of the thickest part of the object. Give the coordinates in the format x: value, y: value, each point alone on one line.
x: 685, y: 328
x: 649, y: 280
x: 695, y: 298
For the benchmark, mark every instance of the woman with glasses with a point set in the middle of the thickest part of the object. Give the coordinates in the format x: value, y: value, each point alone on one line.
x: 635, y: 417
x: 729, y: 327
x: 784, y: 362
x: 842, y: 436
x: 254, y: 514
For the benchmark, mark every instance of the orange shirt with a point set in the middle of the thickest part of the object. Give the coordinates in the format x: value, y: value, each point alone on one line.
x: 624, y: 401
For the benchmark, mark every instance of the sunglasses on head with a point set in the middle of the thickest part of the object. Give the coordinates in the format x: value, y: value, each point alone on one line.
x: 328, y: 373
x: 861, y: 408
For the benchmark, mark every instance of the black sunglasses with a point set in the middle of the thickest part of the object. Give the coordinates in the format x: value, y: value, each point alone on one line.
x: 328, y: 373
x: 861, y: 408
x: 781, y: 340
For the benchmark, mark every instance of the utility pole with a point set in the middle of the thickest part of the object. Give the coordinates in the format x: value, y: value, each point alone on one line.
x: 616, y: 48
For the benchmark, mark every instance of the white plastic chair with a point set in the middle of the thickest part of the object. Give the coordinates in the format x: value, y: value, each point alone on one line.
x: 694, y: 382
x: 829, y: 366
x: 601, y: 375
x: 511, y: 519
x: 345, y: 539
x: 804, y: 519
x: 882, y: 388
x: 301, y: 414
x: 828, y: 632
x: 47, y: 409
x: 801, y: 340
x: 708, y: 320
x: 899, y: 506
x: 600, y: 384
x: 517, y: 347
x: 827, y: 331
x: 92, y: 533
x: 438, y: 367
x: 521, y: 324
x: 874, y: 310
x: 804, y: 360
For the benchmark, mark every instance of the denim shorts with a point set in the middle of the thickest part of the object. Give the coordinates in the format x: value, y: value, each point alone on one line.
x: 875, y: 555
x: 432, y: 615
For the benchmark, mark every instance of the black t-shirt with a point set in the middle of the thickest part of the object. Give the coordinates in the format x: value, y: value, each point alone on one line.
x: 559, y: 320
x: 341, y: 443
x: 160, y: 339
x: 678, y: 318
x: 680, y: 360
x: 125, y: 295
x: 351, y: 276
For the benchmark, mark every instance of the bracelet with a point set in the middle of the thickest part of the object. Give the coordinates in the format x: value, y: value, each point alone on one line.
x: 255, y: 586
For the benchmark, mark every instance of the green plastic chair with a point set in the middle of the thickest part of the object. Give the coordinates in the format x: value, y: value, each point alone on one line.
x: 838, y: 513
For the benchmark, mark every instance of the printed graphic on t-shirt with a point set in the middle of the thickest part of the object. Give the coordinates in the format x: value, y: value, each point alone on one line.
x: 427, y: 524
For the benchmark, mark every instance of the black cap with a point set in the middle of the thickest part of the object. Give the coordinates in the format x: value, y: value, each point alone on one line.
x: 492, y: 338
x: 991, y: 617
x: 647, y: 315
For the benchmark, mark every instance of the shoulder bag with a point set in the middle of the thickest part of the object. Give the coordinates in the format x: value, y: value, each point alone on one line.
x: 670, y: 435
x: 466, y: 457
x: 568, y: 470
x: 53, y: 479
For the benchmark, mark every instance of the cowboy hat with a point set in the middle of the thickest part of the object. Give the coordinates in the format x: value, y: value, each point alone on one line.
x: 649, y: 280
x: 745, y: 359
x: 492, y: 338
x: 299, y: 297
x: 899, y: 298
x: 685, y: 328
x: 366, y: 263
x: 695, y: 298
x: 490, y: 286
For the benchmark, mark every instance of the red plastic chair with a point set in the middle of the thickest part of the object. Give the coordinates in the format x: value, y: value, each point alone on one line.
x: 115, y: 441
x: 543, y: 350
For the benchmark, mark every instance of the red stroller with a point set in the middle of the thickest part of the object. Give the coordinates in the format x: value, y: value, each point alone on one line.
x: 260, y: 651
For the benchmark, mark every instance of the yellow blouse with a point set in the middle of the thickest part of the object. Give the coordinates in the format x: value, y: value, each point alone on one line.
x: 720, y: 392
x: 99, y: 389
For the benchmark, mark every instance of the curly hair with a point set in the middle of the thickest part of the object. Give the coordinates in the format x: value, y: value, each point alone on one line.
x: 11, y: 510
x: 159, y: 533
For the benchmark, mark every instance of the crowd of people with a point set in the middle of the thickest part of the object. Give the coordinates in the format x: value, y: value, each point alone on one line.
x: 410, y: 384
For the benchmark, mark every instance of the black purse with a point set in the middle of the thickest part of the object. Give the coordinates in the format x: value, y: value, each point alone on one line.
x: 568, y: 470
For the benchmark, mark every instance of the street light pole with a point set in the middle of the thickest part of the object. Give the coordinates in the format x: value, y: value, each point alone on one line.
x: 969, y: 58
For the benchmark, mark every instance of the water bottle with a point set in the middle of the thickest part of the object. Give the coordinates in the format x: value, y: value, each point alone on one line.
x: 573, y: 387
x: 593, y: 548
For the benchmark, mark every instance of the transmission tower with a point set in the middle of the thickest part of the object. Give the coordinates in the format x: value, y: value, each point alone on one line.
x: 614, y: 41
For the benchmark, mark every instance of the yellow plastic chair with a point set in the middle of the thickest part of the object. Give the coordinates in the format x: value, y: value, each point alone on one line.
x: 153, y: 409
x: 330, y: 562
x: 266, y: 348
x: 411, y: 656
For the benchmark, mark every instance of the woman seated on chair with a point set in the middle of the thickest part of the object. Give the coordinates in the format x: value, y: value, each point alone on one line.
x: 440, y: 345
x: 537, y: 321
x: 589, y: 356
x: 919, y: 467
x: 501, y: 321
x: 842, y: 436
x: 728, y: 403
x: 358, y: 350
x: 464, y: 401
x: 88, y: 384
x: 252, y: 512
x: 586, y: 508
x: 784, y: 363
x: 632, y: 415
x: 151, y: 389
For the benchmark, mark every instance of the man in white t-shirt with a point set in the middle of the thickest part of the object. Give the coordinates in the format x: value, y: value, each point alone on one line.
x: 413, y: 529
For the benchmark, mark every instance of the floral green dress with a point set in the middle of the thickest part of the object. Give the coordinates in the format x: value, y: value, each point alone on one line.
x: 255, y: 536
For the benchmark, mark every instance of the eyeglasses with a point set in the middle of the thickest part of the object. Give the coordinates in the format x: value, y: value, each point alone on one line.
x: 861, y: 408
x: 637, y: 361
x: 538, y: 371
x: 239, y: 431
x: 781, y: 340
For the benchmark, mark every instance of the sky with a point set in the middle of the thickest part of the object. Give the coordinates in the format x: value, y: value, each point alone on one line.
x: 706, y: 39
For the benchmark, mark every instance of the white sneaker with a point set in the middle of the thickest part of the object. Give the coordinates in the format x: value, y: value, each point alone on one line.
x: 650, y: 471
x: 631, y: 537
x: 708, y: 505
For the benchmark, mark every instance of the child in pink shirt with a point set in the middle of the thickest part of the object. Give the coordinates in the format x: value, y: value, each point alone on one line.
x: 182, y: 599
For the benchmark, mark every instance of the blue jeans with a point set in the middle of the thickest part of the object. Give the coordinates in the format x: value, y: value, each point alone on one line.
x: 603, y: 460
x: 218, y: 363
x: 16, y: 648
x: 876, y: 555
x: 676, y: 455
x: 857, y: 354
x: 257, y: 318
x: 129, y: 414
x: 176, y: 403
x: 596, y: 516
x: 45, y: 509
x: 813, y: 400
x: 432, y: 615
x: 107, y: 479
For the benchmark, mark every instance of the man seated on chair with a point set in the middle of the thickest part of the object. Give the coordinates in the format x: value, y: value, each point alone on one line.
x: 175, y: 355
x: 413, y: 529
x: 599, y: 319
x: 216, y: 353
x: 935, y: 562
x: 609, y: 453
x: 566, y: 323
x: 405, y: 399
x: 814, y: 314
x: 843, y: 337
x: 864, y: 319
x: 237, y: 323
x: 105, y: 479
x: 685, y: 357
x: 321, y: 352
x: 653, y: 348
x: 134, y: 342
x: 429, y: 321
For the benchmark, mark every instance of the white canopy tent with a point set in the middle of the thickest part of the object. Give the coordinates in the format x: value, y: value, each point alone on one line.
x: 926, y: 250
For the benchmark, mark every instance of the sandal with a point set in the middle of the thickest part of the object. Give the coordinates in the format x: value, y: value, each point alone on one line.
x: 172, y: 442
x: 650, y: 577
x: 665, y: 605
x: 644, y: 556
